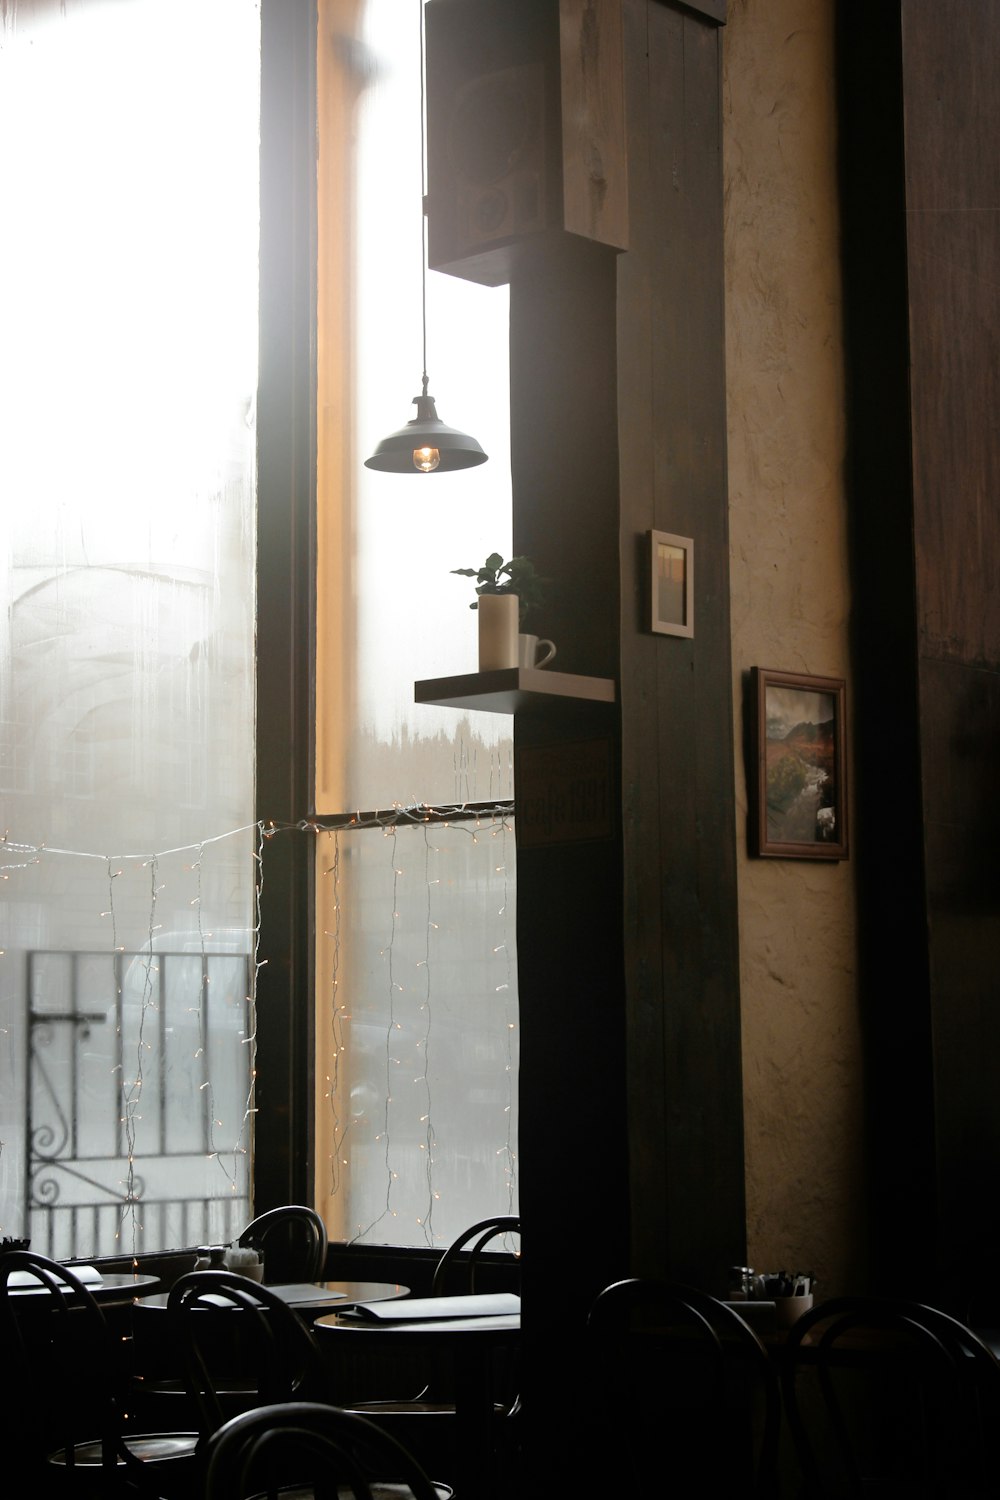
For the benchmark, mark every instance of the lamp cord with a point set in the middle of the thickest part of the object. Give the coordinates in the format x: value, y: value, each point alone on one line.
x: 423, y: 201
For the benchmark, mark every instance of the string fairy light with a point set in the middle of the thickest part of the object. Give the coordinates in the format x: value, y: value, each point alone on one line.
x: 339, y: 1125
x: 427, y: 1120
x: 387, y: 1125
x: 135, y: 1041
x: 388, y: 952
x: 509, y: 1156
x: 412, y: 1056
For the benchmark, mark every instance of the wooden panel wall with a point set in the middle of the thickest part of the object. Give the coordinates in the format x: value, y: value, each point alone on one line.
x: 892, y: 962
x: 592, y: 121
x: 950, y: 57
x: 684, y: 1073
x: 952, y: 146
x: 573, y: 1166
x: 630, y: 1091
x: 921, y: 125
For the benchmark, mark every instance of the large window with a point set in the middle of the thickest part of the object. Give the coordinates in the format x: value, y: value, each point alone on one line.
x: 128, y: 371
x: 133, y: 877
x: 417, y: 1032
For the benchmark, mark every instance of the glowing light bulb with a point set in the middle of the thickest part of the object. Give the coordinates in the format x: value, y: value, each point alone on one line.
x: 426, y: 459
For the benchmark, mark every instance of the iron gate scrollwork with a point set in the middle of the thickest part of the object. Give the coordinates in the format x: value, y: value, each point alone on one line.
x: 138, y: 1090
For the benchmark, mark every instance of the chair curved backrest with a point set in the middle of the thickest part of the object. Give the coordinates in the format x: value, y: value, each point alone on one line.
x: 433, y: 1404
x: 459, y: 1263
x: 685, y: 1387
x: 61, y: 1389
x: 222, y: 1321
x: 44, y: 1400
x: 292, y: 1240
x: 886, y: 1396
x: 310, y: 1443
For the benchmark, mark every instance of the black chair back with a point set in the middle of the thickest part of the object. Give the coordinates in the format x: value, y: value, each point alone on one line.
x: 225, y: 1325
x: 318, y: 1449
x: 456, y: 1270
x: 293, y: 1242
x: 424, y: 1418
x: 61, y: 1391
x: 887, y: 1397
x: 683, y: 1391
x: 50, y: 1337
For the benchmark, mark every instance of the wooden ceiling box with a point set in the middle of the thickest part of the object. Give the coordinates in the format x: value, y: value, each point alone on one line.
x: 525, y: 131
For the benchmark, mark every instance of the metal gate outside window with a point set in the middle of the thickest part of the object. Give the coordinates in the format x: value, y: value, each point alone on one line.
x: 138, y: 1086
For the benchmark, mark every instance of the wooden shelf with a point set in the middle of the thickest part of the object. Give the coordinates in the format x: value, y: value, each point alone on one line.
x: 514, y: 690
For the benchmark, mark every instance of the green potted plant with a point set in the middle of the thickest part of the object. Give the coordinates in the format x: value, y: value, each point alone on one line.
x: 517, y: 576
x: 505, y: 593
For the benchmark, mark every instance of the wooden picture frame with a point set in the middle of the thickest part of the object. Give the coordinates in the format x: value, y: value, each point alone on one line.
x: 798, y: 766
x: 671, y: 584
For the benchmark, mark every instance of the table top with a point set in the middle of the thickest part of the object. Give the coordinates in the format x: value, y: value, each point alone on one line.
x: 436, y: 1328
x: 435, y: 1318
x: 308, y: 1296
x: 114, y: 1286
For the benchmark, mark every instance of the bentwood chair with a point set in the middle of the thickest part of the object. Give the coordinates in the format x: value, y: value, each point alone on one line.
x: 292, y: 1240
x: 304, y: 1449
x: 424, y: 1419
x: 455, y: 1274
x: 62, y: 1388
x: 240, y: 1346
x: 456, y: 1270
x: 682, y: 1393
x: 890, y: 1398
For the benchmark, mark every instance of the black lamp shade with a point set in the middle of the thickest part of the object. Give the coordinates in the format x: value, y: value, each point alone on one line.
x: 394, y: 454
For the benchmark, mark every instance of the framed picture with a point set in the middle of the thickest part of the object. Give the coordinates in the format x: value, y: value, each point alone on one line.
x: 671, y: 578
x: 798, y: 781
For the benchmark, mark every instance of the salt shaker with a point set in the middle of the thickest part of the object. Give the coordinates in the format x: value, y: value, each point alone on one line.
x: 211, y: 1257
x: 744, y: 1284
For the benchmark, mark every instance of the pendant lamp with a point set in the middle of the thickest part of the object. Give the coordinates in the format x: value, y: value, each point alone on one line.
x: 425, y: 445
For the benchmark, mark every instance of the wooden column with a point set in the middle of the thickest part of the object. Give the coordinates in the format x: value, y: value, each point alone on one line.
x: 286, y: 488
x: 630, y: 1095
x: 682, y: 961
x: 574, y: 1158
x: 921, y: 122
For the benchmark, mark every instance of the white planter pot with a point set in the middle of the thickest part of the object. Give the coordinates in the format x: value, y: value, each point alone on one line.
x: 498, y: 621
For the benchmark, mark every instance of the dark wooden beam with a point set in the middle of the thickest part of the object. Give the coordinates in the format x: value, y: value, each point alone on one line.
x: 678, y: 798
x: 526, y: 137
x: 628, y: 965
x: 920, y: 116
x: 286, y: 429
x: 951, y: 115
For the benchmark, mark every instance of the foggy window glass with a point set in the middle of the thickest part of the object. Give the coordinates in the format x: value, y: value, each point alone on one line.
x: 409, y: 615
x: 416, y: 1030
x: 128, y: 371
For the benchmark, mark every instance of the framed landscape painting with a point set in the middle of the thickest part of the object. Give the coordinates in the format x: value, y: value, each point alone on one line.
x: 798, y: 781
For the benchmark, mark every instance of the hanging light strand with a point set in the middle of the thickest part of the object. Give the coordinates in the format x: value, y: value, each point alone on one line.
x: 423, y: 201
x: 425, y: 445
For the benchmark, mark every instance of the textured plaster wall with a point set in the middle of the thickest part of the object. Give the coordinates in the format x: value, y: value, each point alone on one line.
x: 790, y: 610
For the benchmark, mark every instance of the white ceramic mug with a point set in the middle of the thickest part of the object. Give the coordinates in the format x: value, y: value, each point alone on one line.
x: 528, y: 647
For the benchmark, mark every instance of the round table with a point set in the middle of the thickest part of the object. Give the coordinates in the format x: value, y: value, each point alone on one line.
x: 312, y: 1298
x: 470, y: 1343
x: 114, y: 1286
x: 155, y: 1363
